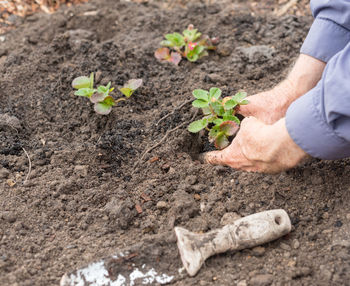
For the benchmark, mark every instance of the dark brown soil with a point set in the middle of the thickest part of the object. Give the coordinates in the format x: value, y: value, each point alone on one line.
x: 78, y: 204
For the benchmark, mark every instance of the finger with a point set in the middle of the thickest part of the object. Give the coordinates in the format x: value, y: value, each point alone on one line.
x: 214, y: 158
x: 244, y: 110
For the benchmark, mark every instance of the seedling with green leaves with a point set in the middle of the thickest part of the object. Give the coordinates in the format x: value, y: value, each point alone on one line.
x: 191, y: 45
x: 219, y: 115
x: 103, y: 102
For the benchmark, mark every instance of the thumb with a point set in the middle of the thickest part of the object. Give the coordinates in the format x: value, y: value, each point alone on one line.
x: 214, y: 157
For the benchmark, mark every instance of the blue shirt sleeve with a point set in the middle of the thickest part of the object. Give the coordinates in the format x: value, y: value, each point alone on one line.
x: 319, y: 121
x: 330, y: 31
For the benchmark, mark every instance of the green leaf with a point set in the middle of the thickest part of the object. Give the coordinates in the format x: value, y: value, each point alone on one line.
x: 102, y: 108
x: 244, y: 102
x: 230, y: 104
x: 191, y: 35
x: 199, y: 103
x: 214, y: 92
x: 201, y: 94
x: 109, y: 100
x: 213, y: 133
x: 211, y: 119
x: 206, y: 110
x: 218, y: 121
x: 176, y: 39
x: 229, y: 128
x: 87, y: 92
x: 198, y: 49
x: 166, y: 43
x: 221, y: 141
x: 194, y: 55
x: 218, y: 108
x: 230, y: 117
x: 239, y: 96
x: 192, y: 58
x: 127, y: 91
x: 102, y: 89
x: 91, y: 80
x: 81, y: 82
x: 198, y: 125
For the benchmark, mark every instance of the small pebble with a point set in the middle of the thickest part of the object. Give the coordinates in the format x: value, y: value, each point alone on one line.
x: 258, y: 251
x: 242, y: 283
x: 285, y: 246
x: 325, y: 215
x: 301, y: 272
x: 261, y: 280
x: 9, y: 217
x: 82, y: 170
x: 4, y: 173
x: 192, y: 179
x: 295, y: 244
x: 162, y: 205
x: 338, y: 223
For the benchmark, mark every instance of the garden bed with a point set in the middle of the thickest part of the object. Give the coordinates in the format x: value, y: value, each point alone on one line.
x: 89, y: 193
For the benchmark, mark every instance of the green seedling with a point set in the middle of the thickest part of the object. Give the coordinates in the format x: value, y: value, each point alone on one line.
x: 103, y: 101
x: 219, y: 115
x: 191, y: 45
x: 129, y: 88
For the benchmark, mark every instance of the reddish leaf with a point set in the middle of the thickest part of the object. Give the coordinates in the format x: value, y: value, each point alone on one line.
x: 229, y: 128
x: 175, y: 58
x: 221, y: 141
x: 134, y: 83
x: 162, y: 54
x: 97, y: 97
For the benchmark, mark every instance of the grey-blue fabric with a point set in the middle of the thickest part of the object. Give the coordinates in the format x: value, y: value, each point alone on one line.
x: 319, y: 121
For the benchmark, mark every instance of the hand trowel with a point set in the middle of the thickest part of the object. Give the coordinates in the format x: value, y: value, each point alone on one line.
x: 151, y: 262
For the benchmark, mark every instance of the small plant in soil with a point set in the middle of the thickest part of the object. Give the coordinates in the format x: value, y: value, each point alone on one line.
x: 191, y: 45
x: 103, y: 101
x: 219, y: 115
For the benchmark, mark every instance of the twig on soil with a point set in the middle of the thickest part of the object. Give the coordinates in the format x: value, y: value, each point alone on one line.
x: 280, y: 12
x: 173, y: 111
x: 30, y: 166
x: 161, y: 141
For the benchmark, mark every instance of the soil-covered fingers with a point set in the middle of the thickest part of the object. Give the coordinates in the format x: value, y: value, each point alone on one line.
x: 231, y: 156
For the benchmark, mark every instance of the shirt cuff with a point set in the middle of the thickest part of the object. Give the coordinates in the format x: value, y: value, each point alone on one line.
x: 325, y: 39
x: 311, y: 132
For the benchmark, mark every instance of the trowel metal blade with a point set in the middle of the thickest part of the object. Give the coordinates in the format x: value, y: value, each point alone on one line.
x: 149, y: 262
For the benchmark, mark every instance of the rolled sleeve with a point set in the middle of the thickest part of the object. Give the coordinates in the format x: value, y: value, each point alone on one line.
x: 330, y: 31
x: 325, y: 39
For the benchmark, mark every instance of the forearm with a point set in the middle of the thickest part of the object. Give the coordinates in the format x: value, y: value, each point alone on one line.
x: 305, y: 74
x: 270, y: 106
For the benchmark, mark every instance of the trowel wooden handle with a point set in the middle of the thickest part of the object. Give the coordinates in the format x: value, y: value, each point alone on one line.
x: 246, y: 232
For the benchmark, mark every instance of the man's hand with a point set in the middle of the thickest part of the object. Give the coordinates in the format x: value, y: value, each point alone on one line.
x: 270, y: 106
x: 259, y: 148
